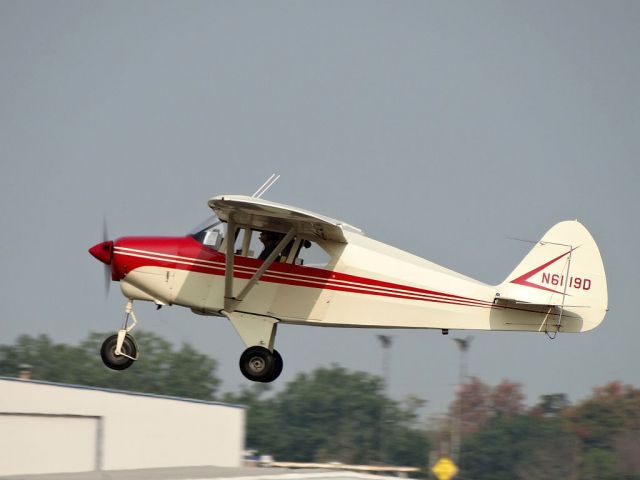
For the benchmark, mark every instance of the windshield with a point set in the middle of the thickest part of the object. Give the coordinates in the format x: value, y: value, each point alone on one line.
x: 210, y: 232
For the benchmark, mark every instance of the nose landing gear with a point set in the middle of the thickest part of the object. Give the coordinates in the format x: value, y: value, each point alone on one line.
x: 119, y: 351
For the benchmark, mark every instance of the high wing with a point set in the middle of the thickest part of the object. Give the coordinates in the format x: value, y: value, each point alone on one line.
x: 260, y: 214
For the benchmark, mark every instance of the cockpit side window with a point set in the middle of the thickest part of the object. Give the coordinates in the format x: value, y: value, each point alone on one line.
x: 211, y: 234
x: 259, y: 244
x: 311, y: 254
x: 299, y: 251
x: 270, y: 241
x: 213, y: 238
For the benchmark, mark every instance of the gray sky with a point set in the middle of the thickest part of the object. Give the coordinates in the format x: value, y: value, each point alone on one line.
x: 441, y: 128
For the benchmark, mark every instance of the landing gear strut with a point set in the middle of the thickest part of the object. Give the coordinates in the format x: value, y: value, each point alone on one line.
x: 119, y: 351
x: 260, y: 365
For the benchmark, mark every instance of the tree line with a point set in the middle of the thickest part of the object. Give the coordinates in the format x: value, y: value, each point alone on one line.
x: 335, y: 415
x: 595, y: 439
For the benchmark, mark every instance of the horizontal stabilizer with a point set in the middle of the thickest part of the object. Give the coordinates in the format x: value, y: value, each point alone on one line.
x: 499, y: 300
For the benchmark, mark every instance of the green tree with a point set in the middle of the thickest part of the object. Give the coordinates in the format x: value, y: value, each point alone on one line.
x: 599, y: 464
x: 48, y: 361
x: 611, y: 410
x: 598, y: 438
x: 160, y: 369
x: 551, y: 405
x: 520, y: 447
x: 627, y: 448
x: 262, y: 422
x: 608, y: 425
x: 334, y: 415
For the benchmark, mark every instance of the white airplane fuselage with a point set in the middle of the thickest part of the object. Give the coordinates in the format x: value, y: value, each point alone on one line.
x: 365, y: 284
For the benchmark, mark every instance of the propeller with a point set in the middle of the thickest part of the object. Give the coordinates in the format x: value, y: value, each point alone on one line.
x: 103, y: 251
x: 107, y: 268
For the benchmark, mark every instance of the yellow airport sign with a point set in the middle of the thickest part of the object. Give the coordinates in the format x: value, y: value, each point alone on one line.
x: 445, y: 469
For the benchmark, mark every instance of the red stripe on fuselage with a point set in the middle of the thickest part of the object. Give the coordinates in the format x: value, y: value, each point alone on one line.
x: 185, y: 253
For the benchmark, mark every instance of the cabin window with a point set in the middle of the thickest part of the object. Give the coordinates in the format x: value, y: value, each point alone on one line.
x: 245, y: 243
x: 311, y: 254
x: 266, y: 241
x: 298, y: 251
x: 210, y: 233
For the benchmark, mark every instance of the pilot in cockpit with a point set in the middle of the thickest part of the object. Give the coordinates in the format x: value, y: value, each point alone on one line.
x: 270, y: 241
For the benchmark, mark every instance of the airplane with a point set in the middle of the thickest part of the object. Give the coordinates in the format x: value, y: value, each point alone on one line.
x: 324, y: 272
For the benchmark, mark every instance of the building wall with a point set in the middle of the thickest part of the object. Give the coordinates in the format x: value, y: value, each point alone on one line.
x: 47, y: 428
x: 40, y: 444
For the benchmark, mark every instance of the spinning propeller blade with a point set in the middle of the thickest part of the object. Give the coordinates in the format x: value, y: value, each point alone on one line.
x: 107, y: 268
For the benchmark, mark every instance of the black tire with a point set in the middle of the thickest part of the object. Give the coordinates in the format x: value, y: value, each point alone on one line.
x: 278, y: 364
x: 118, y: 362
x: 257, y: 364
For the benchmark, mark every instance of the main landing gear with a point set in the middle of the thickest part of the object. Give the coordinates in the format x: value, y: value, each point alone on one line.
x: 119, y: 351
x: 258, y: 364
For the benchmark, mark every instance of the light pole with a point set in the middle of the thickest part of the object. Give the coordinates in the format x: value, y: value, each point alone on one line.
x: 385, y: 342
x: 456, y: 424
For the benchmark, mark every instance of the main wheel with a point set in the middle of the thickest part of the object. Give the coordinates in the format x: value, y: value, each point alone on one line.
x: 257, y: 364
x: 118, y: 362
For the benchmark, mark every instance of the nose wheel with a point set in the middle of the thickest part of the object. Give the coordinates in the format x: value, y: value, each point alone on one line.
x: 258, y: 364
x: 126, y: 357
x: 119, y: 351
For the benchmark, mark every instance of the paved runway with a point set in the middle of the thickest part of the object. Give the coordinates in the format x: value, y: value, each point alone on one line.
x: 202, y: 473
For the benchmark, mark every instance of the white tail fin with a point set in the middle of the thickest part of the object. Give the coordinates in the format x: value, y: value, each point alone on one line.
x: 563, y: 269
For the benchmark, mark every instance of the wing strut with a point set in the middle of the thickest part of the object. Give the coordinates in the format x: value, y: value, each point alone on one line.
x: 231, y: 302
x: 228, y: 269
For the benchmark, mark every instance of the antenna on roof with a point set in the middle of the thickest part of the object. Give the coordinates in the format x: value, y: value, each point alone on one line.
x: 266, y: 185
x: 523, y: 240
